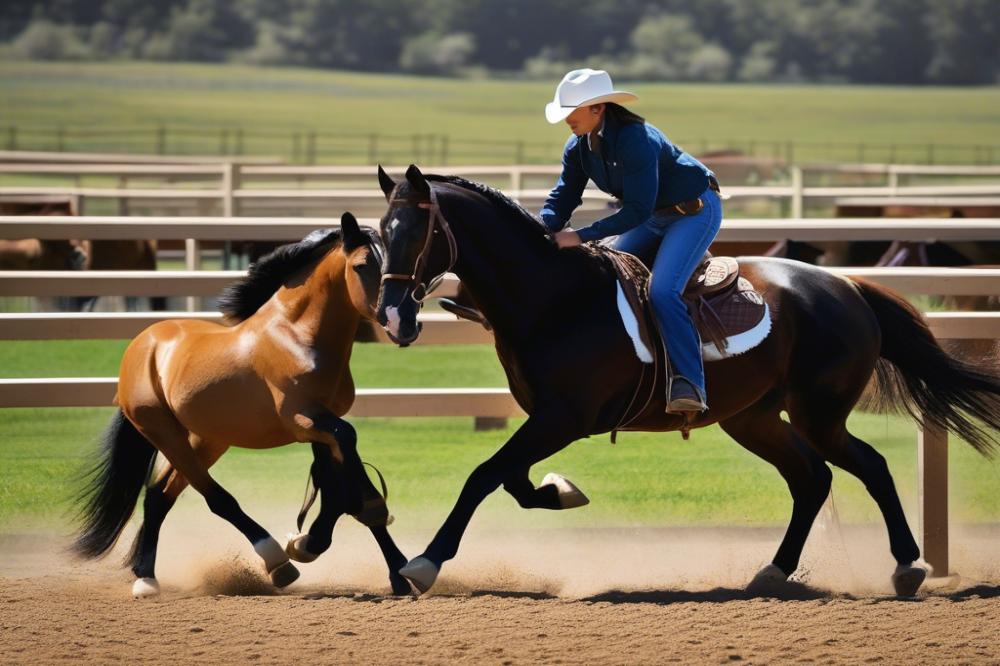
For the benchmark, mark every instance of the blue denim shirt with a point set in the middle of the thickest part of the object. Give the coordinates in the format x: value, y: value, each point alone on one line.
x: 637, y: 164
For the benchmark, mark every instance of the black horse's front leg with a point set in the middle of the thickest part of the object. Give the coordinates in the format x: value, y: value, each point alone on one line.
x: 547, y: 431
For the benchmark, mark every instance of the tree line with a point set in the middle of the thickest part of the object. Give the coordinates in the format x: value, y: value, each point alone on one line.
x: 951, y: 42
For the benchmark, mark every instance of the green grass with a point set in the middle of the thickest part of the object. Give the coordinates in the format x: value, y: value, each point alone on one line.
x: 124, y: 95
x: 645, y: 479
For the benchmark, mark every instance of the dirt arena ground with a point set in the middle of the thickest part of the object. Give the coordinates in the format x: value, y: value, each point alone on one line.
x: 584, y: 596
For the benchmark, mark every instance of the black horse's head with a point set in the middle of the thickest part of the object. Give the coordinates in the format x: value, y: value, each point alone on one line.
x: 419, y: 251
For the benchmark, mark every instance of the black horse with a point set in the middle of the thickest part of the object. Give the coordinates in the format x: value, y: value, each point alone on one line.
x: 574, y: 370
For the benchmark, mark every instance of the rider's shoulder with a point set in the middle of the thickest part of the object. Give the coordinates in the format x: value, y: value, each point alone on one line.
x: 571, y: 143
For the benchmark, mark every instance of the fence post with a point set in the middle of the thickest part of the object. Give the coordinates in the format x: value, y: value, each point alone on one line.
x: 516, y: 182
x: 932, y: 466
x: 161, y: 140
x: 230, y: 182
x: 311, y: 147
x: 893, y: 180
x: 797, y: 194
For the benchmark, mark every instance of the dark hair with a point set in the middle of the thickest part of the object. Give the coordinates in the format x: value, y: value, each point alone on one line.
x: 621, y: 115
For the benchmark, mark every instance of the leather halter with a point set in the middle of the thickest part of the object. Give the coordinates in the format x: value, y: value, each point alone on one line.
x: 435, y: 222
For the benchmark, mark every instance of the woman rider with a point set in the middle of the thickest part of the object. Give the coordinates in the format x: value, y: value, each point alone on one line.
x: 670, y: 208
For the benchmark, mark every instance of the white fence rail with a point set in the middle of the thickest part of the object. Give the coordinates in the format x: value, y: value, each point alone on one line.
x: 56, y: 227
x: 271, y: 185
x: 939, y: 281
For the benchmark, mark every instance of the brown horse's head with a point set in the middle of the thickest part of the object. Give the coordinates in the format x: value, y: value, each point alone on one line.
x: 364, y: 265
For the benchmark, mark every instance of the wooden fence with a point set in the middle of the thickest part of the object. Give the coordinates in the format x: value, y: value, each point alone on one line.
x: 233, y: 188
x: 444, y: 329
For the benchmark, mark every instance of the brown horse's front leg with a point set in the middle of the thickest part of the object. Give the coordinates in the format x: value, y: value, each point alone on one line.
x: 344, y: 488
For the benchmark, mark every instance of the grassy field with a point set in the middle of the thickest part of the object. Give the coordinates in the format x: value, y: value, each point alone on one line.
x: 119, y: 96
x: 645, y: 479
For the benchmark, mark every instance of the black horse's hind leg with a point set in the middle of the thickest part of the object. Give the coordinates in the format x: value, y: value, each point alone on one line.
x: 761, y: 431
x: 827, y: 431
x: 860, y: 459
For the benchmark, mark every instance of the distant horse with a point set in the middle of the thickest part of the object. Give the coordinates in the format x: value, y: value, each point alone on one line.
x: 34, y: 254
x: 280, y: 374
x: 120, y: 255
x: 573, y: 368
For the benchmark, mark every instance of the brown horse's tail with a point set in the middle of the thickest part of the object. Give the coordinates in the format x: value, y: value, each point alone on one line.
x: 112, y: 486
x: 915, y: 375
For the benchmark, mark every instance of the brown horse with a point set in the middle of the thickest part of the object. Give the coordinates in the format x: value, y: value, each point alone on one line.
x: 575, y: 370
x: 279, y: 374
x: 33, y: 254
x: 120, y: 255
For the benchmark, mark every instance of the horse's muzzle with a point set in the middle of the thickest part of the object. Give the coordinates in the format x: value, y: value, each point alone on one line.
x: 399, y: 320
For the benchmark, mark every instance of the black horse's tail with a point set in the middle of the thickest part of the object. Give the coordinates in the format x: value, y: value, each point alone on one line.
x: 112, y: 487
x: 914, y: 374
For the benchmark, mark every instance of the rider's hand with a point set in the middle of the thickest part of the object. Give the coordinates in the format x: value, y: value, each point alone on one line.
x: 567, y: 238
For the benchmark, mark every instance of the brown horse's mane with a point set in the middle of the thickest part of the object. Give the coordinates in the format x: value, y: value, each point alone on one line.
x: 242, y: 299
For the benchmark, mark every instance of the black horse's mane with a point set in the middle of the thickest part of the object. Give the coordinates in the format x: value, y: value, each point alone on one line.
x: 492, y: 194
x: 242, y: 299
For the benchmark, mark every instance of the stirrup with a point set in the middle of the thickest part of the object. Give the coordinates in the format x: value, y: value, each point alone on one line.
x: 685, y: 404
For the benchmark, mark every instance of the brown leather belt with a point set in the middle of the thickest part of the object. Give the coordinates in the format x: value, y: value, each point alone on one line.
x: 692, y: 207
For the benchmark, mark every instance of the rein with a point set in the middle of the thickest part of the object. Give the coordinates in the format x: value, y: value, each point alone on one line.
x: 435, y: 222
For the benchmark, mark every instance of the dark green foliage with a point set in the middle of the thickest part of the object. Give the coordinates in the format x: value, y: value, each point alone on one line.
x: 863, y: 41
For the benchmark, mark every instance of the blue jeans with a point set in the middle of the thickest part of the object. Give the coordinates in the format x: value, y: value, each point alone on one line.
x: 679, y: 242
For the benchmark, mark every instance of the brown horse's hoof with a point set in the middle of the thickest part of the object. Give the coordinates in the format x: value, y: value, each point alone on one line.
x: 375, y: 513
x: 284, y: 575
x: 145, y: 588
x: 297, y: 548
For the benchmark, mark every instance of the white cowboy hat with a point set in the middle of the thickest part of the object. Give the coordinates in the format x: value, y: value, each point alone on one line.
x: 583, y: 87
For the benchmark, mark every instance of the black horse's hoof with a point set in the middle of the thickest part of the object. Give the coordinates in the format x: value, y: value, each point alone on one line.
x: 907, y: 579
x: 400, y: 586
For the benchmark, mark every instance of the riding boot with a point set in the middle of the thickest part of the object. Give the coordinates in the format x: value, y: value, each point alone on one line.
x: 684, y: 397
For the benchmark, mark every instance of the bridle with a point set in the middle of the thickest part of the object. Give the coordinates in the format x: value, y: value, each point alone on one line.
x: 436, y: 221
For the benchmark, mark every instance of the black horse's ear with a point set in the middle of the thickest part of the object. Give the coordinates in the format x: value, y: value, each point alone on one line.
x: 417, y: 180
x: 353, y: 236
x: 386, y: 183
